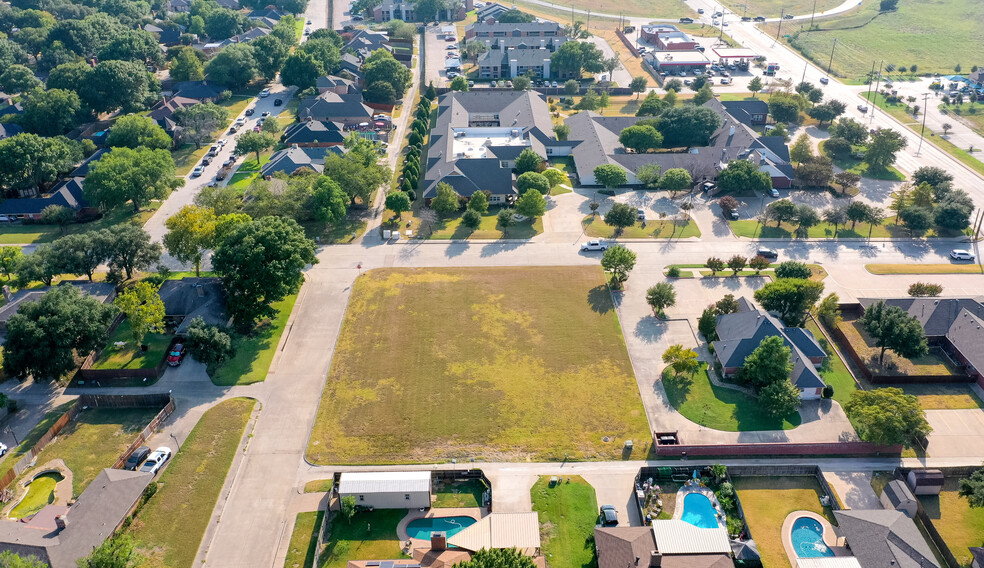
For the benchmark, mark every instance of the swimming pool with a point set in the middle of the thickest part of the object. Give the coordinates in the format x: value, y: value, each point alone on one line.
x: 698, y: 511
x: 807, y: 538
x: 422, y: 528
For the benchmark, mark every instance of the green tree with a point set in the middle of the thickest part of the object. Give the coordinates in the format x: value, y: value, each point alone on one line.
x: 381, y: 66
x: 610, y: 175
x: 707, y: 324
x: 57, y: 215
x: 687, y: 125
x: 755, y: 85
x: 300, y: 70
x: 670, y: 98
x: 199, y: 122
x: 571, y: 87
x: 234, y: 66
x: 533, y: 180
x: 498, y: 558
x: 44, y: 337
x: 143, y: 308
x: 835, y: 216
x: 638, y: 86
x: 528, y: 161
x: 780, y: 399
x: 715, y: 264
x: 649, y: 175
x: 133, y: 131
x: 640, y: 138
x: 271, y: 126
x: 660, y: 296
x: 620, y: 216
x: 884, y: 145
x: 479, y: 203
x: 446, y: 202
x: 260, y: 262
x: 471, y: 219
x: 254, y: 142
x: 9, y: 559
x: 793, y: 269
x: 114, y: 84
x: 208, y: 344
x: 850, y: 130
x: 532, y: 204
x: 828, y: 310
x: 562, y: 131
x: 954, y: 211
x: 727, y: 305
x: 28, y: 160
x: 652, y: 105
x: 917, y: 219
x: 130, y: 249
x: 846, y: 180
x: 683, y: 361
x: 270, y: 53
x: 52, y: 112
x: 856, y: 211
x: 769, y: 363
x: 973, y: 488
x: 131, y: 175
x: 887, y: 416
x: 742, y: 175
x: 186, y: 65
x: 506, y: 218
x: 704, y: 94
x: 922, y: 195
x: 782, y: 211
x: 801, y: 150
x: 618, y: 261
x: 893, y: 328
x: 521, y: 83
x: 737, y: 263
x: 10, y: 256
x: 42, y: 265
x: 459, y: 83
x: 348, y: 507
x: 555, y: 177
x: 791, y: 298
x: 676, y: 179
x: 398, y: 202
x: 191, y: 232
x: 81, y: 253
x: 133, y: 45
x: 18, y: 79
x: 784, y: 108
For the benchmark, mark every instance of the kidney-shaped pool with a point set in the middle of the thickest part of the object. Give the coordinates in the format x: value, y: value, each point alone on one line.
x: 807, y: 538
x: 422, y: 528
x: 698, y: 511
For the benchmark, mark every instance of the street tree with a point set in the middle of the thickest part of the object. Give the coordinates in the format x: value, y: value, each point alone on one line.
x: 782, y: 211
x: 532, y: 204
x: 883, y: 147
x: 758, y: 263
x: 683, y: 361
x: 954, y: 211
x: 270, y: 53
x: 191, y: 232
x: 887, y: 416
x: 131, y: 175
x: 737, y: 263
x: 471, y: 219
x: 856, y: 211
x: 199, y: 122
x: 81, y: 253
x: 134, y: 131
x: 715, y: 264
x: 143, y: 308
x: 791, y: 298
x: 130, y: 249
x: 253, y: 142
x: 755, y: 85
x: 610, y: 175
x: 660, y: 296
x: 619, y: 261
x: 836, y: 216
x: 893, y: 328
x: 806, y: 217
x: 620, y: 216
x: 917, y: 219
x: 769, y: 363
x: 300, y: 70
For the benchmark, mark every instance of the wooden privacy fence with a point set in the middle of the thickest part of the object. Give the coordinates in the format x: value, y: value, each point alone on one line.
x: 853, y: 449
x: 148, y: 431
x: 42, y: 442
x: 89, y: 377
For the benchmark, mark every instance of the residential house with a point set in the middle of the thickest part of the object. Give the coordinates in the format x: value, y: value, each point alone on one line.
x: 244, y: 37
x: 202, y: 91
x: 314, y: 134
x: 347, y: 109
x: 188, y: 298
x: 102, y: 291
x: 978, y: 555
x: 293, y: 159
x: 636, y: 547
x: 178, y: 5
x: 364, y: 42
x: 387, y: 489
x: 593, y: 141
x: 490, y: 12
x: 478, y: 136
x: 680, y: 544
x: 66, y: 193
x: 166, y: 36
x: 513, y: 62
x: 879, y: 538
x: 336, y: 84
x: 896, y: 495
x: 741, y: 333
x: 956, y: 325
x: 352, y: 65
x: 9, y: 129
x: 749, y: 113
x: 83, y: 169
x: 16, y: 108
x: 531, y: 29
x: 265, y: 13
x: 163, y: 112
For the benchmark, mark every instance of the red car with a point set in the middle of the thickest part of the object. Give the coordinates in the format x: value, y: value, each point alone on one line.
x: 176, y: 355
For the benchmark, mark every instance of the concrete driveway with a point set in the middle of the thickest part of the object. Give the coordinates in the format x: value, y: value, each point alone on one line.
x: 853, y: 488
x: 618, y: 489
x: 956, y: 432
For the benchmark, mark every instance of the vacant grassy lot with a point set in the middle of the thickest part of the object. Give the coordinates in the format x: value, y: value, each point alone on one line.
x: 36, y: 234
x: 568, y: 513
x: 130, y: 356
x: 94, y: 441
x: 303, y: 540
x: 971, y: 113
x: 960, y: 525
x: 834, y: 370
x: 254, y: 352
x: 701, y: 401
x: 930, y: 364
x: 924, y: 268
x: 940, y: 397
x: 369, y: 536
x: 507, y: 367
x: 337, y: 233
x: 169, y: 529
x: 772, y: 8
x: 766, y: 502
x: 595, y: 226
x: 459, y: 493
x: 920, y: 32
x: 651, y: 9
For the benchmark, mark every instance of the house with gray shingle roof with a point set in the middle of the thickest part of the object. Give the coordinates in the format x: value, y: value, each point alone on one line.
x: 66, y: 193
x: 740, y: 333
x: 8, y: 130
x: 293, y: 159
x: 347, y: 109
x: 314, y: 134
x: 880, y: 538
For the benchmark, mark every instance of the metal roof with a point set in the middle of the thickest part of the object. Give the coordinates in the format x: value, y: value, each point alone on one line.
x: 501, y: 530
x: 384, y: 482
x: 680, y: 537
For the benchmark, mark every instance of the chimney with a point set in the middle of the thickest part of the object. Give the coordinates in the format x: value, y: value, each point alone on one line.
x: 61, y: 522
x: 439, y: 541
x: 655, y: 559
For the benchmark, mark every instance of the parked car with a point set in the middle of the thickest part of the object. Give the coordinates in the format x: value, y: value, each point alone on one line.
x: 609, y: 516
x: 265, y: 115
x: 213, y: 150
x: 206, y: 161
x: 3, y: 449
x: 220, y: 176
x: 265, y: 93
x: 136, y: 458
x: 700, y: 10
x: 725, y: 81
x: 199, y: 170
x: 960, y: 254
x: 450, y: 38
x: 759, y: 18
x: 509, y: 84
x: 686, y: 20
x: 250, y: 111
x: 767, y: 253
x: 177, y: 353
x: 774, y: 192
x: 593, y: 245
x: 156, y: 460
x: 717, y: 14
x: 229, y: 161
x: 553, y: 84
x: 746, y: 18
x: 278, y: 102
x: 863, y: 108
x: 451, y: 47
x: 221, y: 142
x: 824, y: 80
x: 733, y: 215
x: 641, y: 214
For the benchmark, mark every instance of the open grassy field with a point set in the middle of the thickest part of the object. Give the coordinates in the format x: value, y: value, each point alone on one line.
x: 834, y: 370
x: 930, y: 364
x: 766, y: 502
x: 960, y: 525
x: 254, y: 352
x: 644, y: 8
x: 486, y: 363
x: 94, y: 441
x: 369, y: 536
x: 169, y: 529
x: 466, y: 493
x: 568, y: 512
x: 130, y: 356
x: 303, y: 540
x: 772, y: 8
x: 701, y: 401
x: 754, y: 229
x: 37, y: 234
x: 920, y: 32
x: 970, y: 113
x: 595, y: 226
x: 924, y: 268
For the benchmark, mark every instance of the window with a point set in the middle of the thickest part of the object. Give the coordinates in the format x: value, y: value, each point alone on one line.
x: 503, y: 164
x: 406, y: 496
x: 549, y: 151
x: 362, y: 497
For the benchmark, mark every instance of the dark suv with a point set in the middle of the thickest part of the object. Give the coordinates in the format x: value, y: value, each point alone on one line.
x: 136, y: 458
x: 767, y: 253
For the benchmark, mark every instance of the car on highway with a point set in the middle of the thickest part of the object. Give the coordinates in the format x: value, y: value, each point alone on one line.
x: 176, y: 355
x: 774, y: 192
x: 641, y: 214
x: 593, y: 245
x: 771, y: 254
x: 759, y: 19
x: 136, y: 458
x: 199, y: 170
x: 788, y: 17
x: 824, y: 80
x: 863, y: 108
x: 307, y: 31
x: 717, y: 14
x: 960, y: 254
x: 3, y: 449
x: 609, y: 516
x: 278, y: 102
x: 265, y: 93
x: 686, y: 20
x: 700, y: 10
x: 746, y: 18
x: 156, y: 460
x: 250, y: 111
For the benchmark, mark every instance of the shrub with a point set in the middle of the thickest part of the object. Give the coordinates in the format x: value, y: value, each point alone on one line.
x: 208, y: 343
x: 828, y: 391
x: 673, y: 272
x: 506, y: 218
x: 471, y: 219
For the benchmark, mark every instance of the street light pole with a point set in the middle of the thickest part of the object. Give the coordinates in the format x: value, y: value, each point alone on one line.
x: 923, y: 129
x: 831, y: 62
x: 875, y: 95
x: 782, y: 15
x: 814, y: 14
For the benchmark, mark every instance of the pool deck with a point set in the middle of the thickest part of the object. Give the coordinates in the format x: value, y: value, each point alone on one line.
x: 476, y: 513
x: 829, y: 536
x: 691, y: 487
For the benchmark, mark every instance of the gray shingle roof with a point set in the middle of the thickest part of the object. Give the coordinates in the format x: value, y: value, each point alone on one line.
x: 8, y: 130
x: 898, y: 492
x: 189, y: 298
x: 329, y: 105
x: 314, y: 131
x: 197, y: 89
x: 67, y: 193
x: 99, y: 290
x: 526, y: 27
x: 743, y: 110
x: 934, y: 314
x: 966, y: 333
x: 289, y: 160
x: 879, y: 537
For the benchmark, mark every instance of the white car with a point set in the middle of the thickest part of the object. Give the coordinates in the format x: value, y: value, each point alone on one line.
x: 960, y: 254
x: 593, y: 245
x: 199, y: 170
x: 3, y: 449
x: 222, y: 142
x: 264, y: 93
x: 240, y: 121
x: 156, y: 460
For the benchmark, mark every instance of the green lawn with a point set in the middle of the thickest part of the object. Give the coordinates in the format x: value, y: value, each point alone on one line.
x: 772, y: 8
x: 972, y: 113
x: 960, y: 525
x: 767, y: 501
x: 568, y: 513
x: 130, y: 356
x: 862, y: 168
x: 251, y: 165
x: 892, y: 364
x: 960, y: 154
x: 254, y: 352
x: 921, y: 32
x: 898, y: 110
x: 36, y: 234
x: 95, y: 440
x: 27, y: 442
x: 942, y: 396
x: 40, y: 493
x: 242, y: 180
x: 187, y: 156
x: 369, y: 536
x: 754, y: 229
x: 738, y: 97
x: 459, y: 493
x: 169, y: 529
x: 924, y: 268
x: 304, y: 540
x: 451, y: 227
x: 477, y: 344
x: 834, y: 370
x: 595, y: 226
x: 336, y: 233
x: 318, y: 486
x: 719, y: 408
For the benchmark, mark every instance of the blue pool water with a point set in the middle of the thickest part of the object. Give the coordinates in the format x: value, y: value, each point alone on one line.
x: 422, y: 528
x: 807, y: 537
x: 698, y: 511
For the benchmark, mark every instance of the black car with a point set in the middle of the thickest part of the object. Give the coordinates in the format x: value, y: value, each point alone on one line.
x: 136, y: 458
x: 686, y: 20
x: 608, y: 517
x: 278, y: 102
x: 759, y: 18
x: 767, y: 253
x: 250, y: 111
x: 746, y: 18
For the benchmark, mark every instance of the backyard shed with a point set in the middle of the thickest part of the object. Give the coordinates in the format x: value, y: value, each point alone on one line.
x: 925, y: 481
x: 387, y: 489
x: 897, y: 495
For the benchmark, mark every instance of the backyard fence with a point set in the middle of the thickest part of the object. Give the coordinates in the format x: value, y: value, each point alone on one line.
x: 628, y: 43
x: 840, y: 449
x: 325, y: 528
x: 149, y: 430
x: 926, y: 520
x: 89, y: 377
x: 42, y: 442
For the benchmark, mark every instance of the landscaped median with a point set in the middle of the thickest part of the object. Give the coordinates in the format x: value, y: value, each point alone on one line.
x: 924, y: 268
x: 754, y: 229
x: 817, y: 272
x: 595, y: 226
x: 169, y: 528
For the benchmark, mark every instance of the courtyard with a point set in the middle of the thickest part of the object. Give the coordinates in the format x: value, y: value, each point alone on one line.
x: 494, y: 364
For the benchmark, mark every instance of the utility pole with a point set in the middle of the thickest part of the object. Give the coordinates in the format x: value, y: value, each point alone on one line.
x: 870, y: 77
x: 923, y: 130
x: 782, y: 15
x: 831, y: 62
x: 877, y: 84
x: 805, y: 65
x: 813, y: 15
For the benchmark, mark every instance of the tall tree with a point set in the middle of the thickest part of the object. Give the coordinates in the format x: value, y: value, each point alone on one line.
x: 254, y: 142
x: 610, y: 175
x: 618, y: 261
x: 887, y: 416
x: 769, y: 363
x: 113, y: 84
x: 131, y: 175
x: 528, y: 161
x: 29, y: 161
x: 199, y: 122
x: 270, y: 54
x: 52, y: 112
x: 186, y: 65
x: 18, y: 79
x: 532, y: 204
x: 780, y: 399
x: 191, y: 232
x: 300, y: 70
x: 620, y: 216
x: 791, y: 298
x: 687, y: 126
x: 234, y: 66
x: 972, y: 488
x: 133, y: 131
x: 328, y: 201
x: 660, y: 296
x: 10, y: 256
x: 893, y: 328
x: 130, y: 249
x: 82, y: 253
x: 883, y: 147
x: 143, y: 308
x: 741, y: 175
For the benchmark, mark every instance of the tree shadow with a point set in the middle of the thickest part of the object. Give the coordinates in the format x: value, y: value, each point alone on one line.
x: 456, y: 249
x: 493, y: 249
x: 649, y: 329
x: 600, y: 300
